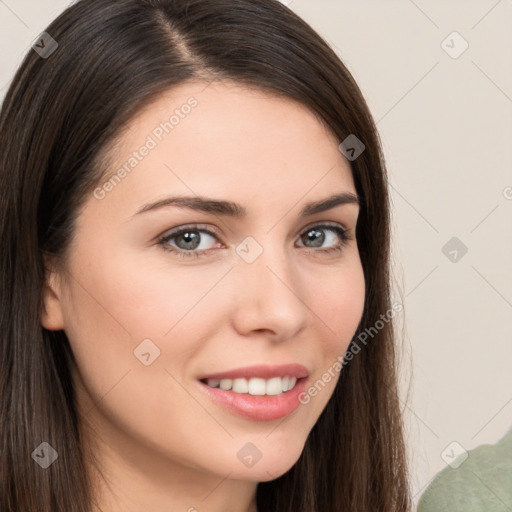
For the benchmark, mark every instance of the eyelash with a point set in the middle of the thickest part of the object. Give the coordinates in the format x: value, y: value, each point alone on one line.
x: 163, y: 241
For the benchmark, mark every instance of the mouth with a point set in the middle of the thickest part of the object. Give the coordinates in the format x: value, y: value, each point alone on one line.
x: 255, y: 386
x: 261, y: 393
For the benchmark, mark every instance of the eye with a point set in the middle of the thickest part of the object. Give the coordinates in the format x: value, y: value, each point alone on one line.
x: 316, y: 236
x: 185, y: 241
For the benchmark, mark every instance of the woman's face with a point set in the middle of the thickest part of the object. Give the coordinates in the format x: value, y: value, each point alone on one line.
x: 150, y: 313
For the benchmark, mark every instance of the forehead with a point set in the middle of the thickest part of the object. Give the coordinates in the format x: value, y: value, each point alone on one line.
x: 222, y: 139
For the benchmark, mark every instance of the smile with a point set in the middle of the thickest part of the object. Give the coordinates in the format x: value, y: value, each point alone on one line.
x: 263, y: 392
x: 254, y: 385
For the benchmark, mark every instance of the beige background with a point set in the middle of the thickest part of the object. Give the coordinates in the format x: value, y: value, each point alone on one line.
x: 446, y: 127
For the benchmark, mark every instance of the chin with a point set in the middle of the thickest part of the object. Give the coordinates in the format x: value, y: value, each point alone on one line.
x: 267, y: 468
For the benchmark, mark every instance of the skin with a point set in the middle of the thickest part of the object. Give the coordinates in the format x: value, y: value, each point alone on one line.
x: 161, y: 443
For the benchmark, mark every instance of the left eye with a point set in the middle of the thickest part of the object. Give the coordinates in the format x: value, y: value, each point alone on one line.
x: 186, y: 240
x: 315, y: 235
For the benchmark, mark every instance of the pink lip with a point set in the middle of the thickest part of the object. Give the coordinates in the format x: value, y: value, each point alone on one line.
x: 257, y: 407
x: 263, y: 371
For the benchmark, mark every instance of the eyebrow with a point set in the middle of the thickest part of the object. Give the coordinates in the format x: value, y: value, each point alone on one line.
x: 232, y: 209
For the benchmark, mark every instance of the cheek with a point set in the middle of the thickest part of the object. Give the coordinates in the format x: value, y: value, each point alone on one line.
x: 137, y: 300
x: 337, y: 299
x: 338, y: 307
x: 109, y: 310
x: 113, y: 306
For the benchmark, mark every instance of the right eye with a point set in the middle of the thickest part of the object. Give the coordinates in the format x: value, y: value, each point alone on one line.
x: 186, y: 240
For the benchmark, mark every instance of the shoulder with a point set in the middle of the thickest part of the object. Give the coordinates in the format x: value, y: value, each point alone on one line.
x: 482, y: 482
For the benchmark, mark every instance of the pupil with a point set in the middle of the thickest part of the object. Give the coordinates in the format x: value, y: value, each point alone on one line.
x: 317, y: 237
x: 191, y: 239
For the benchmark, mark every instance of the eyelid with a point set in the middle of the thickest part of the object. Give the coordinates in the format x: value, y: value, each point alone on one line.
x: 191, y: 227
x: 324, y: 223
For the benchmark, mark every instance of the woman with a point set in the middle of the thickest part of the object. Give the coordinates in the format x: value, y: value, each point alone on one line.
x: 195, y: 269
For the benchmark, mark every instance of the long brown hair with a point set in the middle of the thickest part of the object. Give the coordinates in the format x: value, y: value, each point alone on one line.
x: 61, y: 114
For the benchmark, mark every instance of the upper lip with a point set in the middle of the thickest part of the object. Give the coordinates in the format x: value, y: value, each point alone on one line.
x: 263, y: 371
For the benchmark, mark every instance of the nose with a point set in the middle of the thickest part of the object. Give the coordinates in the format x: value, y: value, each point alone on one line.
x: 267, y: 296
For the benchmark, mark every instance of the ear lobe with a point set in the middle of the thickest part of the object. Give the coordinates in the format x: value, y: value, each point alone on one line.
x: 52, y: 317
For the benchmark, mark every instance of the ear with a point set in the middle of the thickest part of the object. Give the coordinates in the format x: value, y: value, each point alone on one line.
x: 52, y: 317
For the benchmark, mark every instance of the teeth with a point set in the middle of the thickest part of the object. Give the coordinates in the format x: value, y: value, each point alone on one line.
x: 226, y: 384
x: 255, y: 385
x: 274, y: 386
x: 240, y: 386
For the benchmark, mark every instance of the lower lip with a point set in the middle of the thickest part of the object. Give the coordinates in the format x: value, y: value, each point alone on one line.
x: 257, y: 407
